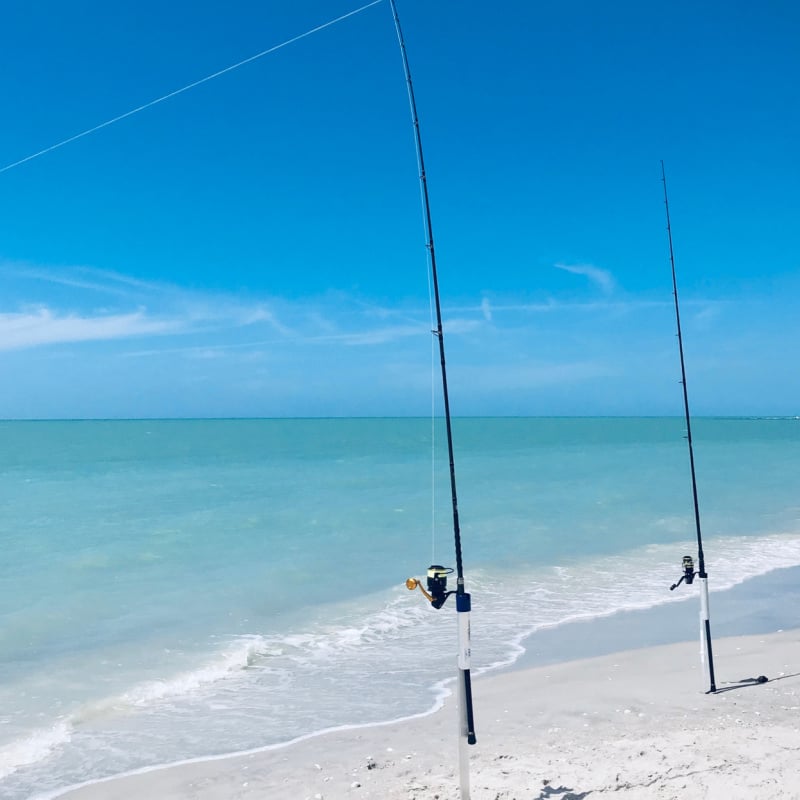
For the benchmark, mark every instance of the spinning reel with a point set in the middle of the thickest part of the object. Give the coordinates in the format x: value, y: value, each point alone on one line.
x: 688, y: 573
x: 437, y: 585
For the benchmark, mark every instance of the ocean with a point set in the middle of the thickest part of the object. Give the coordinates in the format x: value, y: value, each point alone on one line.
x: 174, y: 590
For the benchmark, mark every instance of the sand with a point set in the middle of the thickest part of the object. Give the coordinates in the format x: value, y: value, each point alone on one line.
x: 633, y: 724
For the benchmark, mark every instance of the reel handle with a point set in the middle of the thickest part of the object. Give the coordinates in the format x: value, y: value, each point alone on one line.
x: 413, y: 583
x: 688, y: 572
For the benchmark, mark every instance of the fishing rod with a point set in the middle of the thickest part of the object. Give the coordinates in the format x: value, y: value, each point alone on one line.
x: 689, y: 573
x: 437, y: 592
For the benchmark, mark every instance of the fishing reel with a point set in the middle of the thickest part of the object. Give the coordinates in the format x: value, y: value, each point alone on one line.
x: 688, y: 572
x: 437, y: 585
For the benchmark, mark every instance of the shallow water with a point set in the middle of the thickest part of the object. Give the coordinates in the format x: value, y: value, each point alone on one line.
x: 176, y: 589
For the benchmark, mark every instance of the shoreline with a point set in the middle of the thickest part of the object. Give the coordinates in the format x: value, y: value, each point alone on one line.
x: 558, y: 655
x: 759, y: 605
x: 632, y: 724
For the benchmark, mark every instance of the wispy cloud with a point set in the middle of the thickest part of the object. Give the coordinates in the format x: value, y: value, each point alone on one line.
x: 531, y: 375
x: 550, y: 306
x: 707, y: 315
x: 223, y: 312
x: 106, y: 305
x: 487, y: 308
x: 601, y: 277
x: 252, y: 316
x: 377, y: 335
x: 460, y: 326
x: 43, y: 327
x: 87, y: 279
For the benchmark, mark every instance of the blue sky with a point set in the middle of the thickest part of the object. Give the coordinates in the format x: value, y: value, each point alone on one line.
x: 254, y: 246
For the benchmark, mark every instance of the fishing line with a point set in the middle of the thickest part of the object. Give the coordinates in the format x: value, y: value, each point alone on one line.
x: 431, y: 313
x: 188, y: 86
x: 433, y: 450
x: 430, y: 273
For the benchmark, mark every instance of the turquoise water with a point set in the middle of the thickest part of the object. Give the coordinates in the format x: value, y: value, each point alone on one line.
x: 180, y: 589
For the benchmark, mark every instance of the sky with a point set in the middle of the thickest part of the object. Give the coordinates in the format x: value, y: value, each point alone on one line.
x: 254, y: 246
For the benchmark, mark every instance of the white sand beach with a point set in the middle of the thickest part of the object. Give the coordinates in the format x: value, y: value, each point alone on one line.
x: 634, y: 724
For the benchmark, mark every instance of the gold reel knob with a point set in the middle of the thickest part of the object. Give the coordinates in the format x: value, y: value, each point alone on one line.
x: 413, y: 583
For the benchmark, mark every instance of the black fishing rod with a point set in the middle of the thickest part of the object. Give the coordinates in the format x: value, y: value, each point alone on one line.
x: 688, y: 565
x: 437, y: 592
